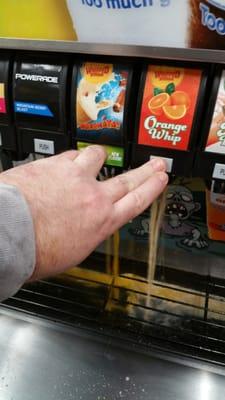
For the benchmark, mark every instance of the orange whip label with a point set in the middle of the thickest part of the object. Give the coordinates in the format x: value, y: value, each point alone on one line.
x: 168, y: 106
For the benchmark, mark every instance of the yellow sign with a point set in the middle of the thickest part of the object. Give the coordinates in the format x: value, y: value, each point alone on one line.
x: 36, y: 19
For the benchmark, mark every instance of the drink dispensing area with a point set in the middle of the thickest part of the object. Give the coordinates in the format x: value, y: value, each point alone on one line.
x: 143, y: 317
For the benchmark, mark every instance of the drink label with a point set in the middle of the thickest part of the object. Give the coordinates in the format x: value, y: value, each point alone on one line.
x: 2, y: 99
x: 115, y: 154
x: 216, y: 137
x: 168, y: 106
x: 100, y: 101
x: 32, y: 108
x: 38, y: 95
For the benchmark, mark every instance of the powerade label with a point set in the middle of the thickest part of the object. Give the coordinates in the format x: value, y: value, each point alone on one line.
x: 38, y: 96
x: 34, y: 109
x: 37, y: 78
x: 168, y: 106
x: 216, y: 137
x: 2, y: 99
x: 115, y: 154
x: 100, y: 102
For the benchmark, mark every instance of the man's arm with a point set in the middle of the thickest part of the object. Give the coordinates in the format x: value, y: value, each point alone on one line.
x: 72, y: 212
x: 17, y: 244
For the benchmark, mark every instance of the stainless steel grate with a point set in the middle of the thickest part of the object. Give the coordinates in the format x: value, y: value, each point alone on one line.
x: 190, y: 322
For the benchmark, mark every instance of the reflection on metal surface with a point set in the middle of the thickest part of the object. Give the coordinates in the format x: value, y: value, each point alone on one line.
x: 205, y: 387
x: 62, y: 364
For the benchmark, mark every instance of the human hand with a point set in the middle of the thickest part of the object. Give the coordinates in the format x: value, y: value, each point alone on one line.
x: 72, y: 211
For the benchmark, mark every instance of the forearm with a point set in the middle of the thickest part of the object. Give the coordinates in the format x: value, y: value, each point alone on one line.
x: 17, y: 243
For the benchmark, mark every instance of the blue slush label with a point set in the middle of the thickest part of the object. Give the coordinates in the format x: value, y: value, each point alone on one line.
x: 101, y: 93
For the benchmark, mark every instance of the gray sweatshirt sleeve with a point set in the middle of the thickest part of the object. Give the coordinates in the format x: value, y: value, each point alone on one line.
x: 17, y: 241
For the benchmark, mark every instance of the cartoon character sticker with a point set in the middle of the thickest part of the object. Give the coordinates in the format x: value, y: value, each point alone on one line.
x: 180, y: 206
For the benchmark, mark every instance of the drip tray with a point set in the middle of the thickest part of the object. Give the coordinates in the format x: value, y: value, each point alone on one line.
x: 41, y: 359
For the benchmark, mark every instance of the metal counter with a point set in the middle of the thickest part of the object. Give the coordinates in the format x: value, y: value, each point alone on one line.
x: 42, y: 360
x: 107, y: 49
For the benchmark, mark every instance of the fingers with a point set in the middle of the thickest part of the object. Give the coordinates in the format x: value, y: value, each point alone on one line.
x: 70, y: 155
x: 119, y: 186
x: 136, y: 201
x: 91, y: 159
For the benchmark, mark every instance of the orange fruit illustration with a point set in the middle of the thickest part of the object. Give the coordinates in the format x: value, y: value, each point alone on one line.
x: 180, y: 98
x: 157, y: 102
x: 175, y: 112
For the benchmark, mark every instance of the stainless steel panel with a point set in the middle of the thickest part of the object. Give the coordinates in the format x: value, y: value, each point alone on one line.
x: 216, y: 56
x: 44, y: 361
